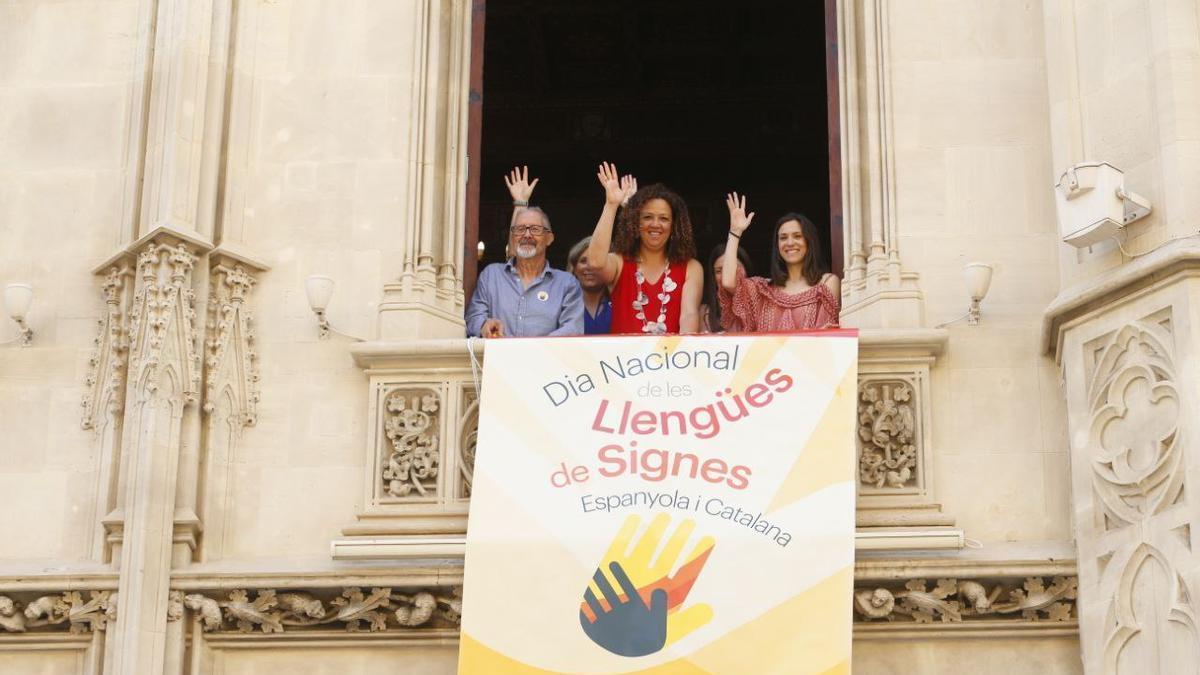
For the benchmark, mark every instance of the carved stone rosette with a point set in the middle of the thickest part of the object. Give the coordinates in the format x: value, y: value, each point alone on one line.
x: 69, y: 612
x: 379, y: 609
x: 967, y: 600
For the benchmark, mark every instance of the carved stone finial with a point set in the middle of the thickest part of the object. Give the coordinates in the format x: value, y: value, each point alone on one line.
x: 230, y: 353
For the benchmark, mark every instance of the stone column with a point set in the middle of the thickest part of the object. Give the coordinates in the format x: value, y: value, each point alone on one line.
x: 876, y: 293
x: 426, y: 300
x: 164, y: 382
x: 1128, y: 347
x: 1124, y: 331
x: 152, y: 522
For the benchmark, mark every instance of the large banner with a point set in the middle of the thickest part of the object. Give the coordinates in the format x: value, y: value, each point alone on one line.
x: 663, y: 505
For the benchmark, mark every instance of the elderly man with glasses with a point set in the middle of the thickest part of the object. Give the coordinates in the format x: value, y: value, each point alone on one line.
x: 525, y: 297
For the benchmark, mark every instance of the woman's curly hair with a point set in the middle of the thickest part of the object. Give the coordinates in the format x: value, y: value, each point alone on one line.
x: 680, y: 244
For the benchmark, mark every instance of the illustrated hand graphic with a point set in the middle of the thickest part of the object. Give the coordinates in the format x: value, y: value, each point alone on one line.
x: 650, y: 577
x: 628, y: 627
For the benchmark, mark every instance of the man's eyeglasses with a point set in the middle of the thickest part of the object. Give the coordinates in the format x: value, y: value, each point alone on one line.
x: 535, y: 230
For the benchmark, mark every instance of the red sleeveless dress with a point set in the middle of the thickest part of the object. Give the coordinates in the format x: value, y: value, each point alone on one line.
x: 625, y: 291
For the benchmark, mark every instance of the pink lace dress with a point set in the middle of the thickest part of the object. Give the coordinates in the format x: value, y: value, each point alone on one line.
x: 756, y: 305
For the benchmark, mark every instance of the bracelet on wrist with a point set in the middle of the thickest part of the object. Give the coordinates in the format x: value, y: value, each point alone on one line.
x: 735, y: 235
x: 517, y: 202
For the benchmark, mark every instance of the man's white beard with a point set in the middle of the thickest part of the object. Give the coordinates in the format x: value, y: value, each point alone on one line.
x: 526, y: 252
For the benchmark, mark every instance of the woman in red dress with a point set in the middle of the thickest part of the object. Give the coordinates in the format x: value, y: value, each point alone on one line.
x: 654, y: 280
x: 799, y: 295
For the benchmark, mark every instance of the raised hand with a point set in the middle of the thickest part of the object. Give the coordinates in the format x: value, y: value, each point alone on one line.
x: 738, y: 219
x: 609, y: 179
x: 628, y: 186
x: 626, y: 625
x: 518, y: 184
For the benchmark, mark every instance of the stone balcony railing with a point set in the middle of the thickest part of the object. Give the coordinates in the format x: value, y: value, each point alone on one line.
x: 421, y: 439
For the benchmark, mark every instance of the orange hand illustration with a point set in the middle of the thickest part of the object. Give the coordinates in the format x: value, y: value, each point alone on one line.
x: 650, y: 576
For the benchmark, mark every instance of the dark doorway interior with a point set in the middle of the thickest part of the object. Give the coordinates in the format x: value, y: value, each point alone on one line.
x: 706, y: 96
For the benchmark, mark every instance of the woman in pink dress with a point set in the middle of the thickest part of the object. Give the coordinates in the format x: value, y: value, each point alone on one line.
x: 800, y: 294
x: 653, y: 278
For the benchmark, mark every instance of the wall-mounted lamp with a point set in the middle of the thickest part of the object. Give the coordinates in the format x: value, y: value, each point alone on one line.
x: 319, y: 289
x: 17, y: 298
x: 978, y: 277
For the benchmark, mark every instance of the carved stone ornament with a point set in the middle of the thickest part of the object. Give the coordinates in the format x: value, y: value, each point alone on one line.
x: 380, y: 609
x: 1138, y: 471
x: 468, y: 439
x: 229, y: 353
x: 887, y: 434
x: 412, y: 458
x: 105, y: 382
x: 1136, y: 452
x: 68, y: 611
x: 163, y: 319
x: 957, y: 601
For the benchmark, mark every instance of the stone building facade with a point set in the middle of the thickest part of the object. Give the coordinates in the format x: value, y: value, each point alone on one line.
x: 195, y: 482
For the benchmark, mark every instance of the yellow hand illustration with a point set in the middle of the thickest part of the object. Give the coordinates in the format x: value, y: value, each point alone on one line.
x: 649, y: 573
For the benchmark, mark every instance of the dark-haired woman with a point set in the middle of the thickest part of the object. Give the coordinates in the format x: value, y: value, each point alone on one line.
x: 799, y: 295
x: 710, y: 310
x: 654, y: 280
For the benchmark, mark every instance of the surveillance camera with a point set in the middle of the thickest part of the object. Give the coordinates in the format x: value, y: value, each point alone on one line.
x: 1093, y: 204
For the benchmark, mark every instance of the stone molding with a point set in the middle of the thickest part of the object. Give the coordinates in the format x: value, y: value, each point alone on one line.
x: 1121, y: 284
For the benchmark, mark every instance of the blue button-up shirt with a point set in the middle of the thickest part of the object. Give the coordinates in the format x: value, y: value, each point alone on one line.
x: 551, y: 305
